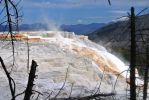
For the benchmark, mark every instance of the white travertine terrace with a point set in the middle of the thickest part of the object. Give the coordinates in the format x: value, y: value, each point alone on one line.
x: 88, y: 64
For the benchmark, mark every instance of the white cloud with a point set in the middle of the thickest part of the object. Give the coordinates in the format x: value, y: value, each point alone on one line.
x: 50, y: 5
x: 122, y: 3
x: 63, y: 3
x: 79, y: 21
x: 121, y: 19
x: 118, y: 11
x: 81, y: 3
x: 119, y: 8
x: 100, y: 17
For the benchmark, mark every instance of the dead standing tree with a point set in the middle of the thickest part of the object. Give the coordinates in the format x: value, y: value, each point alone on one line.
x: 10, y: 80
x: 28, y: 91
x: 146, y: 71
x: 11, y: 22
x: 133, y: 57
x: 134, y: 53
x: 145, y: 53
x: 8, y: 7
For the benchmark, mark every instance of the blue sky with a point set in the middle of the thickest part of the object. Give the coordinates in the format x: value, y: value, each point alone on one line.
x: 77, y: 11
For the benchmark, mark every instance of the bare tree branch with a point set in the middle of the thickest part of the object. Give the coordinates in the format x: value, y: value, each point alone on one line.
x: 109, y: 2
x: 10, y: 27
x: 10, y: 80
x: 63, y: 84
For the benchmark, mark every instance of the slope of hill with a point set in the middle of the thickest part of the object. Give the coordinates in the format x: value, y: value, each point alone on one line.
x: 116, y: 37
x: 118, y: 34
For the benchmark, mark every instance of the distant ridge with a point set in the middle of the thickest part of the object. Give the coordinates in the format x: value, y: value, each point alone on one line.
x: 78, y: 28
x: 82, y: 28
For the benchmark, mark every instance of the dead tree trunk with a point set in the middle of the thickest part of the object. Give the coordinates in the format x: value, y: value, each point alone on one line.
x: 133, y: 57
x: 10, y: 26
x: 28, y: 91
x: 10, y: 80
x: 146, y: 72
